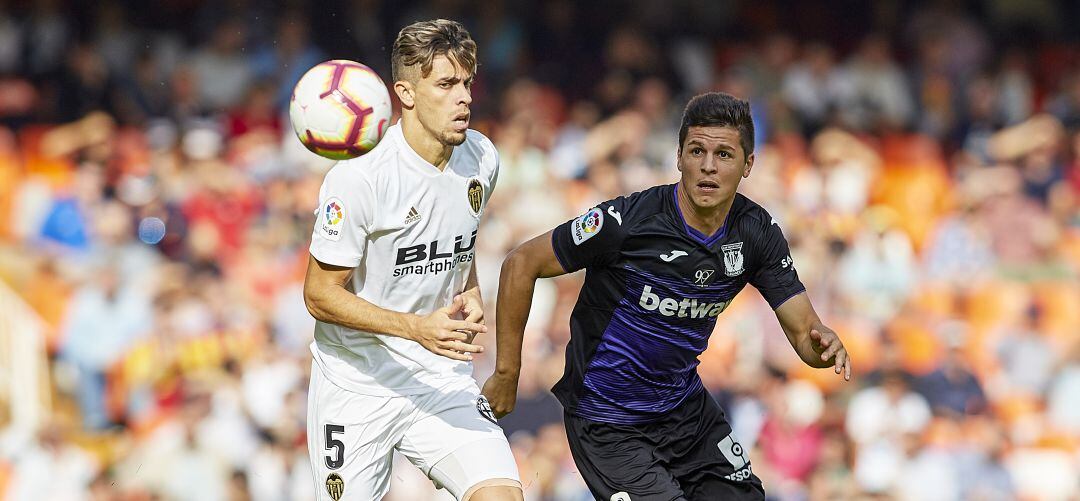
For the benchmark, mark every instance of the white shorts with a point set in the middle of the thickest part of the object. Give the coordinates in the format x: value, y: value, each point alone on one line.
x: 449, y: 435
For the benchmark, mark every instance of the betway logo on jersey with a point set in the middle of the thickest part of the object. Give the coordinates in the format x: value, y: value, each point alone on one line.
x: 681, y: 308
x: 427, y: 258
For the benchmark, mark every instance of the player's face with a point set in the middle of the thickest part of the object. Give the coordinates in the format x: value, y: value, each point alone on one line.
x: 442, y: 101
x: 712, y: 162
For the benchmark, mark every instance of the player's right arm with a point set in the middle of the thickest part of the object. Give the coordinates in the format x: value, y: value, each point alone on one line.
x: 343, y: 222
x: 593, y: 239
x: 328, y: 299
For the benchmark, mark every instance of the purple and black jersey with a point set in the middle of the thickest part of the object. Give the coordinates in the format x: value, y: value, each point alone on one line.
x: 653, y: 288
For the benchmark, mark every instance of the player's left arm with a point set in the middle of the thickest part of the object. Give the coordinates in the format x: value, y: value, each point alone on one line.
x: 528, y: 262
x: 775, y: 277
x: 587, y: 241
x: 817, y: 344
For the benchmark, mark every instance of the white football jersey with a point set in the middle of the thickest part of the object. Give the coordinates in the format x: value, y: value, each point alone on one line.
x: 410, y: 232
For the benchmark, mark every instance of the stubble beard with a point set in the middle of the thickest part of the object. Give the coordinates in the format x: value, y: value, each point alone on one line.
x: 452, y: 138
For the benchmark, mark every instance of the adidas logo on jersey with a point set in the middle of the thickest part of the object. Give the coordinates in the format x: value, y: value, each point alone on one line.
x: 681, y: 308
x: 413, y: 216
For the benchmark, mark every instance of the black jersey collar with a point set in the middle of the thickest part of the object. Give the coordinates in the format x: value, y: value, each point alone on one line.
x: 695, y: 234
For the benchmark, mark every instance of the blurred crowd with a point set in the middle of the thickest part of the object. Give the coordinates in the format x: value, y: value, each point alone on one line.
x: 923, y: 159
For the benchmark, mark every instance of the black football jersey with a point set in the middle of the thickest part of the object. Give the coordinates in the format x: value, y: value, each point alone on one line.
x: 653, y: 289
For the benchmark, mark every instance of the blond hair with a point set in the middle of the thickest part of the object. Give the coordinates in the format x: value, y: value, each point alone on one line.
x: 420, y: 42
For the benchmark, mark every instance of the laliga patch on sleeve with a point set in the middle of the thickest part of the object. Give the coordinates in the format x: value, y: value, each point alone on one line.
x: 332, y: 219
x: 586, y: 226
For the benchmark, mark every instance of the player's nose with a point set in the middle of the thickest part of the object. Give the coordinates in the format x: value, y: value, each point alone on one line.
x: 709, y: 165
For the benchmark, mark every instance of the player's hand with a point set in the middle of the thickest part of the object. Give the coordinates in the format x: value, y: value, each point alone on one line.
x: 441, y: 334
x: 501, y: 392
x: 827, y: 345
x: 472, y: 307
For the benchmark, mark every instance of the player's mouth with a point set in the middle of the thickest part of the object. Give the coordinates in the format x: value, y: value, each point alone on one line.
x: 460, y: 122
x: 708, y: 187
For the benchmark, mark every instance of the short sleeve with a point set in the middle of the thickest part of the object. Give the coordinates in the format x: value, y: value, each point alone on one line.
x: 775, y: 276
x: 593, y: 239
x: 343, y: 218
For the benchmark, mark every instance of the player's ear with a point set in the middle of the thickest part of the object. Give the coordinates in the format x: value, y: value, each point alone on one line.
x: 406, y: 93
x: 678, y: 159
x: 749, y: 165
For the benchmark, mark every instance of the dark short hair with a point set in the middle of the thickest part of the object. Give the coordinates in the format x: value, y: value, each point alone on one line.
x: 417, y: 45
x: 716, y: 109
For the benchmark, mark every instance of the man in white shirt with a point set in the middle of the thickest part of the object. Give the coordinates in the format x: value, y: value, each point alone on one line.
x: 390, y: 277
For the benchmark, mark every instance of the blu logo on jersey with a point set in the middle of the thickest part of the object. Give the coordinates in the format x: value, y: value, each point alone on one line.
x: 423, y: 252
x: 680, y: 308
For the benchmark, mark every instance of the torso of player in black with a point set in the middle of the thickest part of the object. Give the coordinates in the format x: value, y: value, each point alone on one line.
x: 653, y: 289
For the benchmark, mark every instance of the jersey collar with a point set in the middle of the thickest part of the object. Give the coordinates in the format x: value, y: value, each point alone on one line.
x: 413, y: 159
x: 695, y: 234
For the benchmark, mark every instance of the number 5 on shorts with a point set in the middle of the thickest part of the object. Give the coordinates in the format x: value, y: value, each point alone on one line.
x: 334, y: 462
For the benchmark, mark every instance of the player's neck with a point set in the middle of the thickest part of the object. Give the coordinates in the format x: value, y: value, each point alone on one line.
x: 424, y: 144
x: 707, y: 220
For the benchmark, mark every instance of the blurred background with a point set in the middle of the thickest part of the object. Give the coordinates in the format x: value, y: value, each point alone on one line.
x: 923, y: 159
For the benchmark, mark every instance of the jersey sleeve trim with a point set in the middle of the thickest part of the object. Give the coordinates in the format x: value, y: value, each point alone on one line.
x: 558, y: 256
x: 786, y: 299
x: 333, y: 258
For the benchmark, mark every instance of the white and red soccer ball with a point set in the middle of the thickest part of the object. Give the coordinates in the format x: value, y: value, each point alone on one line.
x: 340, y: 109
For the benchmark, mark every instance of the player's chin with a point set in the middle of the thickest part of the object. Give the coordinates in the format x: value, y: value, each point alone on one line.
x: 708, y: 200
x: 453, y: 138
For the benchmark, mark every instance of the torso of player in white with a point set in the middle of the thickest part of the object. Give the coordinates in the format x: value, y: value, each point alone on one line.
x: 410, y: 231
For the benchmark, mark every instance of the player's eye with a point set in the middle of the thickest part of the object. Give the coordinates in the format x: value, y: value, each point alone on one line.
x: 445, y: 85
x: 725, y: 154
x: 697, y: 152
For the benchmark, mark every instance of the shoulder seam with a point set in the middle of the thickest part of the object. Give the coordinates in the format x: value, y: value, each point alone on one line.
x: 633, y: 224
x: 756, y: 212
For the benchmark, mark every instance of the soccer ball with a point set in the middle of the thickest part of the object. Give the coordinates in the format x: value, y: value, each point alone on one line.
x: 340, y: 109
